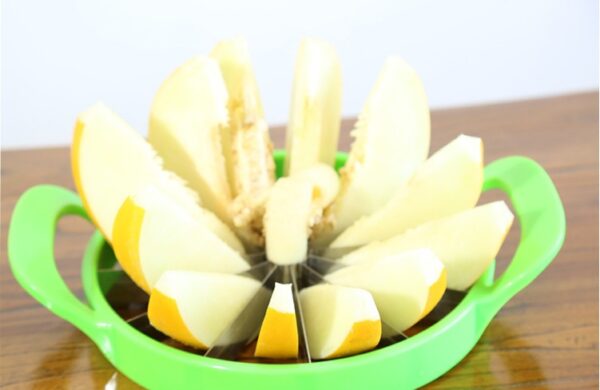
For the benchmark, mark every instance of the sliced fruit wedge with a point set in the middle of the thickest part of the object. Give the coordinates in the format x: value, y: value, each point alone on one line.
x: 195, y: 308
x: 278, y: 336
x: 294, y: 206
x: 187, y: 118
x: 111, y: 161
x: 391, y: 139
x: 247, y: 146
x: 286, y: 221
x: 314, y: 124
x: 406, y: 286
x: 448, y: 182
x: 153, y: 234
x: 325, y: 183
x: 465, y: 242
x: 340, y: 321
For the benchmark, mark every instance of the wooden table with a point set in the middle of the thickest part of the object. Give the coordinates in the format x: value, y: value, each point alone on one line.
x: 547, y: 336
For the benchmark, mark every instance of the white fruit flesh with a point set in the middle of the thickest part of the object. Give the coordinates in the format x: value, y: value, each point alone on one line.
x: 278, y: 336
x: 295, y: 205
x: 247, y: 146
x: 391, y: 139
x: 466, y: 242
x: 154, y: 234
x: 200, y: 214
x: 219, y: 228
x: 286, y: 222
x: 400, y: 284
x: 325, y: 183
x: 339, y: 320
x: 201, y: 306
x: 186, y: 120
x: 314, y: 124
x: 111, y: 161
x: 448, y: 182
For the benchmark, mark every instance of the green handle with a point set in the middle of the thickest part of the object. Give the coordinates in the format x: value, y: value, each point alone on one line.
x: 542, y: 219
x: 31, y: 249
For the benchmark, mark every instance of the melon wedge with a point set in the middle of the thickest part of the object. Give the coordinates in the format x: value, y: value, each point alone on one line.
x: 278, y: 336
x: 324, y: 181
x: 465, y: 242
x: 340, y: 321
x: 247, y: 146
x: 314, y: 124
x: 405, y: 286
x: 391, y: 139
x: 286, y: 221
x: 111, y: 161
x: 154, y: 234
x: 448, y: 182
x: 294, y: 206
x: 325, y: 186
x: 187, y: 118
x: 196, y: 308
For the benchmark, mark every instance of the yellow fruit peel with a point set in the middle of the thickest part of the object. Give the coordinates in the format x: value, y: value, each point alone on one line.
x: 126, y: 238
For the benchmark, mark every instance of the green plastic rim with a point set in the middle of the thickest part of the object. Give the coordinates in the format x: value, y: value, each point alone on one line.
x: 407, y: 364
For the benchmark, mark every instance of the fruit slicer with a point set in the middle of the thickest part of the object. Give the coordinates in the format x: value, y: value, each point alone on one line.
x: 115, y: 315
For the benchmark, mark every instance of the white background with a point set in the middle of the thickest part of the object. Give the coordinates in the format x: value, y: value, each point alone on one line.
x: 59, y: 56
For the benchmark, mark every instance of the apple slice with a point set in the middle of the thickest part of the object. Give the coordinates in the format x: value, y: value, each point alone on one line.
x: 111, y: 161
x: 340, y: 321
x: 466, y: 242
x: 405, y: 286
x: 187, y: 118
x: 391, y: 139
x: 278, y: 336
x: 314, y: 124
x: 247, y: 146
x: 153, y: 234
x: 448, y: 182
x: 195, y: 308
x: 294, y: 206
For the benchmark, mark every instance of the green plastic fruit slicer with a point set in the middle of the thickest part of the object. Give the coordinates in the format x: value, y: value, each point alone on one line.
x: 134, y: 349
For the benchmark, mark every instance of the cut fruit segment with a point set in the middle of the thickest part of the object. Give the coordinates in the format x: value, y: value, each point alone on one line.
x: 340, y: 321
x: 286, y: 221
x: 391, y: 139
x: 448, y: 182
x: 247, y: 146
x: 294, y: 206
x: 278, y: 337
x: 466, y: 242
x: 153, y: 234
x: 325, y: 183
x: 405, y: 286
x: 195, y: 308
x: 314, y: 124
x: 188, y: 114
x: 111, y: 161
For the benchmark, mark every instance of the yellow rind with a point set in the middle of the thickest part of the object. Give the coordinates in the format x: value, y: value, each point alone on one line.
x: 126, y: 241
x: 363, y: 336
x: 75, y: 161
x: 278, y: 337
x: 164, y: 315
x: 436, y: 291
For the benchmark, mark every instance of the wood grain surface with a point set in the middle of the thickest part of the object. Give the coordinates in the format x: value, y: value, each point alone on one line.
x: 546, y: 337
